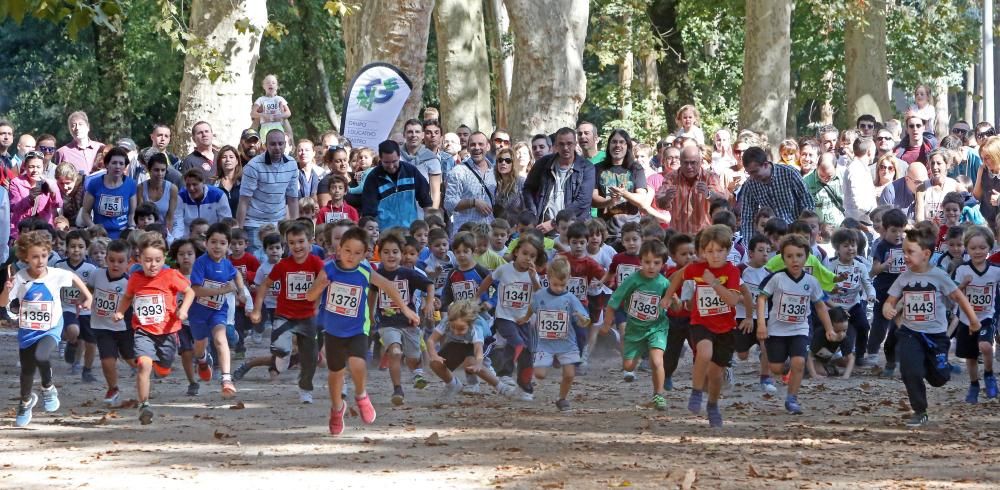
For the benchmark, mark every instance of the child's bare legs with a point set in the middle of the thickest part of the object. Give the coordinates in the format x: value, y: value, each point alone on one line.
x: 972, y: 366
x: 335, y: 384
x: 145, y: 369
x: 359, y: 373
x: 986, y: 348
x: 187, y: 360
x: 485, y: 374
x: 713, y: 382
x: 655, y: 365
x: 703, y: 373
x: 797, y: 366
x: 395, y: 353
x: 89, y: 354
x: 441, y: 371
x: 222, y: 348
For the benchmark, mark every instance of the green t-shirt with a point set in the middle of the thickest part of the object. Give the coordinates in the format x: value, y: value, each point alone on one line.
x: 827, y: 279
x: 642, y: 297
x: 597, y: 158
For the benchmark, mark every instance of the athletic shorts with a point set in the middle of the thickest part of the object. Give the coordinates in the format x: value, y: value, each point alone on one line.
x: 338, y: 349
x: 283, y: 329
x: 455, y: 354
x: 201, y: 328
x: 967, y: 343
x: 782, y: 347
x: 115, y: 344
x: 723, y: 344
x: 185, y: 342
x: 638, y: 341
x: 544, y: 359
x: 744, y: 341
x: 162, y: 349
x: 408, y: 338
x: 86, y: 333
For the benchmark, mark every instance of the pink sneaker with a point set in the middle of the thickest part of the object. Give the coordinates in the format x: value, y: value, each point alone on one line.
x: 366, y: 409
x: 337, y: 420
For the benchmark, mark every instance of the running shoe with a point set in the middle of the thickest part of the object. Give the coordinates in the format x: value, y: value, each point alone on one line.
x: 659, y: 402
x: 668, y: 384
x: 305, y: 397
x: 337, y: 420
x: 767, y: 385
x: 972, y: 397
x: 366, y: 409
x: 714, y: 415
x: 205, y: 368
x: 450, y: 390
x: 792, y: 405
x: 75, y: 368
x: 991, y: 385
x: 23, y: 417
x: 228, y: 388
x: 112, y: 397
x: 563, y: 405
x: 145, y: 414
x: 87, y: 376
x: 889, y: 371
x: 193, y: 388
x: 507, y: 390
x: 419, y: 382
x: 644, y: 365
x: 471, y: 389
x: 50, y: 399
x: 628, y: 376
x: 918, y: 420
x: 694, y: 403
x: 397, y: 396
x: 240, y: 372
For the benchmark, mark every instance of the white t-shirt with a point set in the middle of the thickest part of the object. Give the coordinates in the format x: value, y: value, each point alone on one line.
x: 71, y: 296
x: 922, y: 296
x: 271, y: 298
x: 981, y: 291
x: 107, y: 295
x: 513, y: 292
x: 790, y: 300
x: 41, y: 307
x: 752, y: 277
x: 446, y: 264
x: 858, y: 281
x: 271, y: 105
x: 603, y: 257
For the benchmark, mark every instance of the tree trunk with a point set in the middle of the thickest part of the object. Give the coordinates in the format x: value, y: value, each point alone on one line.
x: 319, y: 74
x: 864, y: 42
x: 551, y: 84
x: 672, y: 70
x: 650, y: 78
x: 988, y: 61
x: 942, y: 117
x: 396, y: 32
x: 978, y: 116
x: 501, y: 58
x: 110, y: 53
x: 970, y: 88
x: 463, y: 65
x: 626, y: 72
x: 766, y: 68
x: 225, y: 103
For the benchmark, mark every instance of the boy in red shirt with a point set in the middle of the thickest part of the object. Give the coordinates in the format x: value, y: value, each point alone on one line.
x: 713, y: 315
x: 155, y: 315
x: 294, y: 315
x: 336, y: 209
x: 247, y: 265
x: 582, y: 269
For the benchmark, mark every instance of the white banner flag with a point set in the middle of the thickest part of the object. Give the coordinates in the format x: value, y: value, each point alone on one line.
x: 375, y: 98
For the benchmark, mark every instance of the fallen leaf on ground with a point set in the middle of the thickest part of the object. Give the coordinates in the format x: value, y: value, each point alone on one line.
x: 222, y: 435
x: 433, y: 440
x: 237, y: 406
x: 754, y: 472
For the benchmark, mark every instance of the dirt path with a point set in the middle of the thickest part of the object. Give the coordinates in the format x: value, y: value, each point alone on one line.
x: 851, y: 436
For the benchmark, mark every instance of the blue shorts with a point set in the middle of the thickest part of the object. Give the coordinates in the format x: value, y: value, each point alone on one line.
x: 201, y: 328
x: 86, y: 333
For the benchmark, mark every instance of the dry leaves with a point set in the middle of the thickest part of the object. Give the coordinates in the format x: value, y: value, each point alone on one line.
x: 433, y: 440
x: 237, y: 406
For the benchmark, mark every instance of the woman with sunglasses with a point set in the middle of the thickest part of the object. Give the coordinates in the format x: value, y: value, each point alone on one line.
x: 987, y: 189
x: 983, y: 131
x: 32, y: 194
x: 885, y: 172
x: 509, y: 202
x: 46, y: 145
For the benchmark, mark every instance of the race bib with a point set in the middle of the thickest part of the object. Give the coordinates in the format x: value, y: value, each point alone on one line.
x: 543, y: 281
x: 343, y: 299
x: 36, y: 315
x: 853, y: 279
x: 403, y: 286
x: 553, y: 324
x: 980, y: 297
x: 934, y: 212
x: 105, y: 303
x: 515, y: 295
x: 624, y: 270
x: 895, y: 260
x: 242, y: 269
x: 442, y: 278
x: 296, y: 285
x: 709, y: 302
x: 734, y: 257
x: 70, y: 296
x: 111, y: 206
x: 919, y: 306
x: 332, y: 216
x: 793, y: 308
x: 577, y: 286
x: 150, y: 309
x: 463, y: 290
x: 274, y: 291
x: 212, y: 302
x: 644, y: 306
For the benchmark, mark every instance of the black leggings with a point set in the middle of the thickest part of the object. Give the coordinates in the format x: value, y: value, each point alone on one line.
x: 36, y: 356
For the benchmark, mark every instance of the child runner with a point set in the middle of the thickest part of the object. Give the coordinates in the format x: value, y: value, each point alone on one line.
x: 646, y: 327
x: 212, y: 278
x: 295, y: 312
x: 343, y: 286
x: 783, y: 311
x: 463, y: 346
x: 75, y: 319
x: 622, y: 266
x: 681, y: 248
x: 114, y: 338
x: 583, y: 268
x: 246, y: 264
x: 823, y: 349
x: 156, y: 317
x: 39, y: 317
x: 556, y: 310
x: 183, y: 253
x: 917, y: 297
x: 887, y: 264
x: 462, y: 283
x: 273, y: 252
x: 753, y: 274
x: 713, y: 316
x: 401, y: 340
x: 977, y: 279
x: 856, y: 274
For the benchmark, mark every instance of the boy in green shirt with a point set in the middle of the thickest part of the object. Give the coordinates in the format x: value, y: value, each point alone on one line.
x: 814, y: 266
x: 646, y: 326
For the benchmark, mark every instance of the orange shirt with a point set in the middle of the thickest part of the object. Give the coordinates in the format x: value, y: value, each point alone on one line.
x: 154, y: 300
x: 689, y: 208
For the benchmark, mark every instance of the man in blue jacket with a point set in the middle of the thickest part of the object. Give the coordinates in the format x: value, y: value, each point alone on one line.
x: 395, y: 192
x: 561, y: 180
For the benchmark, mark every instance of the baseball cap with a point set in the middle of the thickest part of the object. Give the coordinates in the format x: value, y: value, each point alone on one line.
x: 250, y: 134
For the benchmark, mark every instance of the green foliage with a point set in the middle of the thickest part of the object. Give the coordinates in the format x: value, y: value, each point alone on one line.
x: 929, y: 39
x: 74, y: 15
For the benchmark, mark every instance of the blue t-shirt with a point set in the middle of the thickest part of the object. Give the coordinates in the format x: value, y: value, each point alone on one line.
x: 211, y: 274
x: 892, y: 256
x: 343, y: 309
x: 554, y: 315
x: 111, y: 206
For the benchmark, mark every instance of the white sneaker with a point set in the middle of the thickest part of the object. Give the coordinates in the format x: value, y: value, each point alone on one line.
x: 524, y: 396
x: 628, y: 376
x: 729, y: 375
x: 507, y: 390
x: 305, y: 397
x: 450, y: 390
x: 506, y: 380
x: 471, y: 389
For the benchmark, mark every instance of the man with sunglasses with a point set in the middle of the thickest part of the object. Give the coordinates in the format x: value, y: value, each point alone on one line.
x: 983, y: 131
x: 46, y: 145
x: 427, y: 162
x: 499, y: 140
x: 885, y: 144
x: 866, y: 125
x: 918, y: 141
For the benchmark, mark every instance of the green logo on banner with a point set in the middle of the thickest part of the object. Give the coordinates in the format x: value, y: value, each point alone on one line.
x: 377, y: 92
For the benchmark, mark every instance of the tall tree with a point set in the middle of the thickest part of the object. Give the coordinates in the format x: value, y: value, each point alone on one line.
x: 766, y: 66
x: 321, y: 78
x: 392, y: 31
x: 109, y: 51
x: 463, y: 65
x: 228, y: 33
x: 866, y: 63
x: 501, y: 51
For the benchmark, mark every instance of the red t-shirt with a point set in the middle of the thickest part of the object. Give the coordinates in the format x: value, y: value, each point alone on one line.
x: 247, y: 265
x: 682, y: 312
x: 294, y: 280
x: 707, y: 308
x: 154, y: 300
x: 619, y: 273
x: 581, y: 272
x: 331, y: 213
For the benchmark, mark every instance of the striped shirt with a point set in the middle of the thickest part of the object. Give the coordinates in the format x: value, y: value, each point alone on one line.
x: 785, y: 193
x: 268, y: 185
x: 464, y: 183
